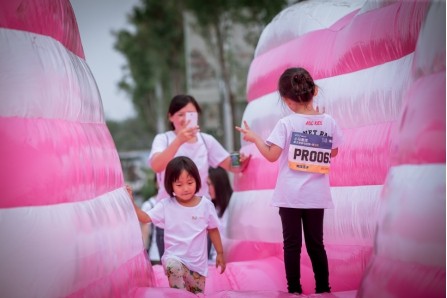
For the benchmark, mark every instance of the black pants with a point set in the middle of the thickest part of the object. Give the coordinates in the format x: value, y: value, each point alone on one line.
x: 160, y: 240
x: 312, y: 225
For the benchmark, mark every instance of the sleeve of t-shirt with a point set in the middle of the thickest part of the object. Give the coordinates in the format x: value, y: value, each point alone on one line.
x: 157, y: 214
x: 337, y: 135
x: 213, y: 219
x: 278, y: 135
x: 216, y: 152
x: 159, y: 144
x: 147, y: 205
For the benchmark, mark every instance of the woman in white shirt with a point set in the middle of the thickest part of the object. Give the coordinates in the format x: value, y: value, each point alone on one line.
x: 185, y: 139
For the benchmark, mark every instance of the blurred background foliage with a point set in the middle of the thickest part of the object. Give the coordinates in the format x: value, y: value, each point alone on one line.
x: 154, y: 49
x: 156, y: 70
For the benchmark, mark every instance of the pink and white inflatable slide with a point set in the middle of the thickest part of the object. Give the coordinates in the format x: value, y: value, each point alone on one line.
x: 68, y: 228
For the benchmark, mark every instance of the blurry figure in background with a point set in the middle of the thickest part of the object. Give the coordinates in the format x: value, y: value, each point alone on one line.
x: 185, y: 139
x: 220, y: 191
x: 148, y: 229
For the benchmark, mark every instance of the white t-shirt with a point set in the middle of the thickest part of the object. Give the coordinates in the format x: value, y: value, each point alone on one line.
x: 206, y: 152
x: 297, y: 188
x: 186, y: 231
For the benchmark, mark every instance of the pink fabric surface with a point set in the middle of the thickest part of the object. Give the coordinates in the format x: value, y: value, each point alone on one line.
x: 62, y: 184
x: 92, y: 242
x: 127, y: 277
x: 267, y: 274
x: 50, y: 161
x: 68, y: 226
x: 357, y: 46
x: 173, y: 293
x: 409, y: 250
x: 54, y: 18
x: 421, y: 137
x: 393, y: 278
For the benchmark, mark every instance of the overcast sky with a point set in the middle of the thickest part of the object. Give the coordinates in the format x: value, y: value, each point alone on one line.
x: 96, y: 20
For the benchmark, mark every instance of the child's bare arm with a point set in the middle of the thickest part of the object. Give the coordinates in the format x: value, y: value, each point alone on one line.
x: 217, y: 242
x: 143, y: 217
x: 271, y: 153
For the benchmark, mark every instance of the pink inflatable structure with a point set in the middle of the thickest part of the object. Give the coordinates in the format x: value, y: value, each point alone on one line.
x: 68, y: 228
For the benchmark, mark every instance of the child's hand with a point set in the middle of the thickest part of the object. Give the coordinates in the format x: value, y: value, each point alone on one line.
x: 220, y: 261
x: 249, y: 135
x: 142, y: 216
x: 129, y: 191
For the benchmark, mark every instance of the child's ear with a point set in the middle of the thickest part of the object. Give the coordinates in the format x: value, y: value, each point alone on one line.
x: 316, y: 91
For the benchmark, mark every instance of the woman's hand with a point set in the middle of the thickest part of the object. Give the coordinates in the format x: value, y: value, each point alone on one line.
x: 186, y: 134
x: 245, y: 160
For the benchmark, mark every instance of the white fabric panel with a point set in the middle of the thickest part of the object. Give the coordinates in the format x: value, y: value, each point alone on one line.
x: 34, y: 85
x: 54, y: 249
x: 263, y: 113
x: 412, y: 223
x: 369, y: 96
x: 353, y: 220
x: 368, y: 101
x: 302, y: 18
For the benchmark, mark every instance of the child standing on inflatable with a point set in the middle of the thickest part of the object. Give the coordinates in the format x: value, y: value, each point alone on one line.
x: 304, y: 142
x: 186, y: 219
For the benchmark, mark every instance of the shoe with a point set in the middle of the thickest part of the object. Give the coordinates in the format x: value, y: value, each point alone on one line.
x: 323, y: 290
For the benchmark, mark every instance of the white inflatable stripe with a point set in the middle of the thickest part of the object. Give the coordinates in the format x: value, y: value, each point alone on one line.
x: 302, y: 18
x: 34, y: 85
x: 412, y: 223
x: 353, y: 220
x: 375, y: 97
x: 53, y: 250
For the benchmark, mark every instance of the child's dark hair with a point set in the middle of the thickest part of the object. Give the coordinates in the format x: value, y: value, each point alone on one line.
x: 296, y: 84
x: 178, y: 102
x: 175, y: 168
x: 222, y: 188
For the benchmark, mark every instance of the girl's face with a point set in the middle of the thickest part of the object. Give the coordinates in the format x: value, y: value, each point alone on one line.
x: 178, y: 118
x: 211, y: 189
x: 184, y: 187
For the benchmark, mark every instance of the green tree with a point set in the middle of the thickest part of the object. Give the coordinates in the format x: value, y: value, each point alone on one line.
x: 130, y: 134
x: 216, y: 21
x: 154, y: 52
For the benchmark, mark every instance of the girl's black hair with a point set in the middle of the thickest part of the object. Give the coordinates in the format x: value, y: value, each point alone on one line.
x: 296, y: 84
x: 175, y: 168
x: 223, y: 190
x: 178, y: 102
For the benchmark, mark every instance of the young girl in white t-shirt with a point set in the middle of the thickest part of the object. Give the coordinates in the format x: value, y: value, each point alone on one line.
x: 304, y: 142
x: 187, y: 219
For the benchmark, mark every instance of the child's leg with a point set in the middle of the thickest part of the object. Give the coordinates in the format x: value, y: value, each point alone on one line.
x: 291, y: 231
x: 313, y: 234
x: 175, y: 272
x: 195, y: 282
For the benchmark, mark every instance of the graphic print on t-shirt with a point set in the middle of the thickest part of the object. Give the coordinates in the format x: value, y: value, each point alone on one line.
x: 310, y: 153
